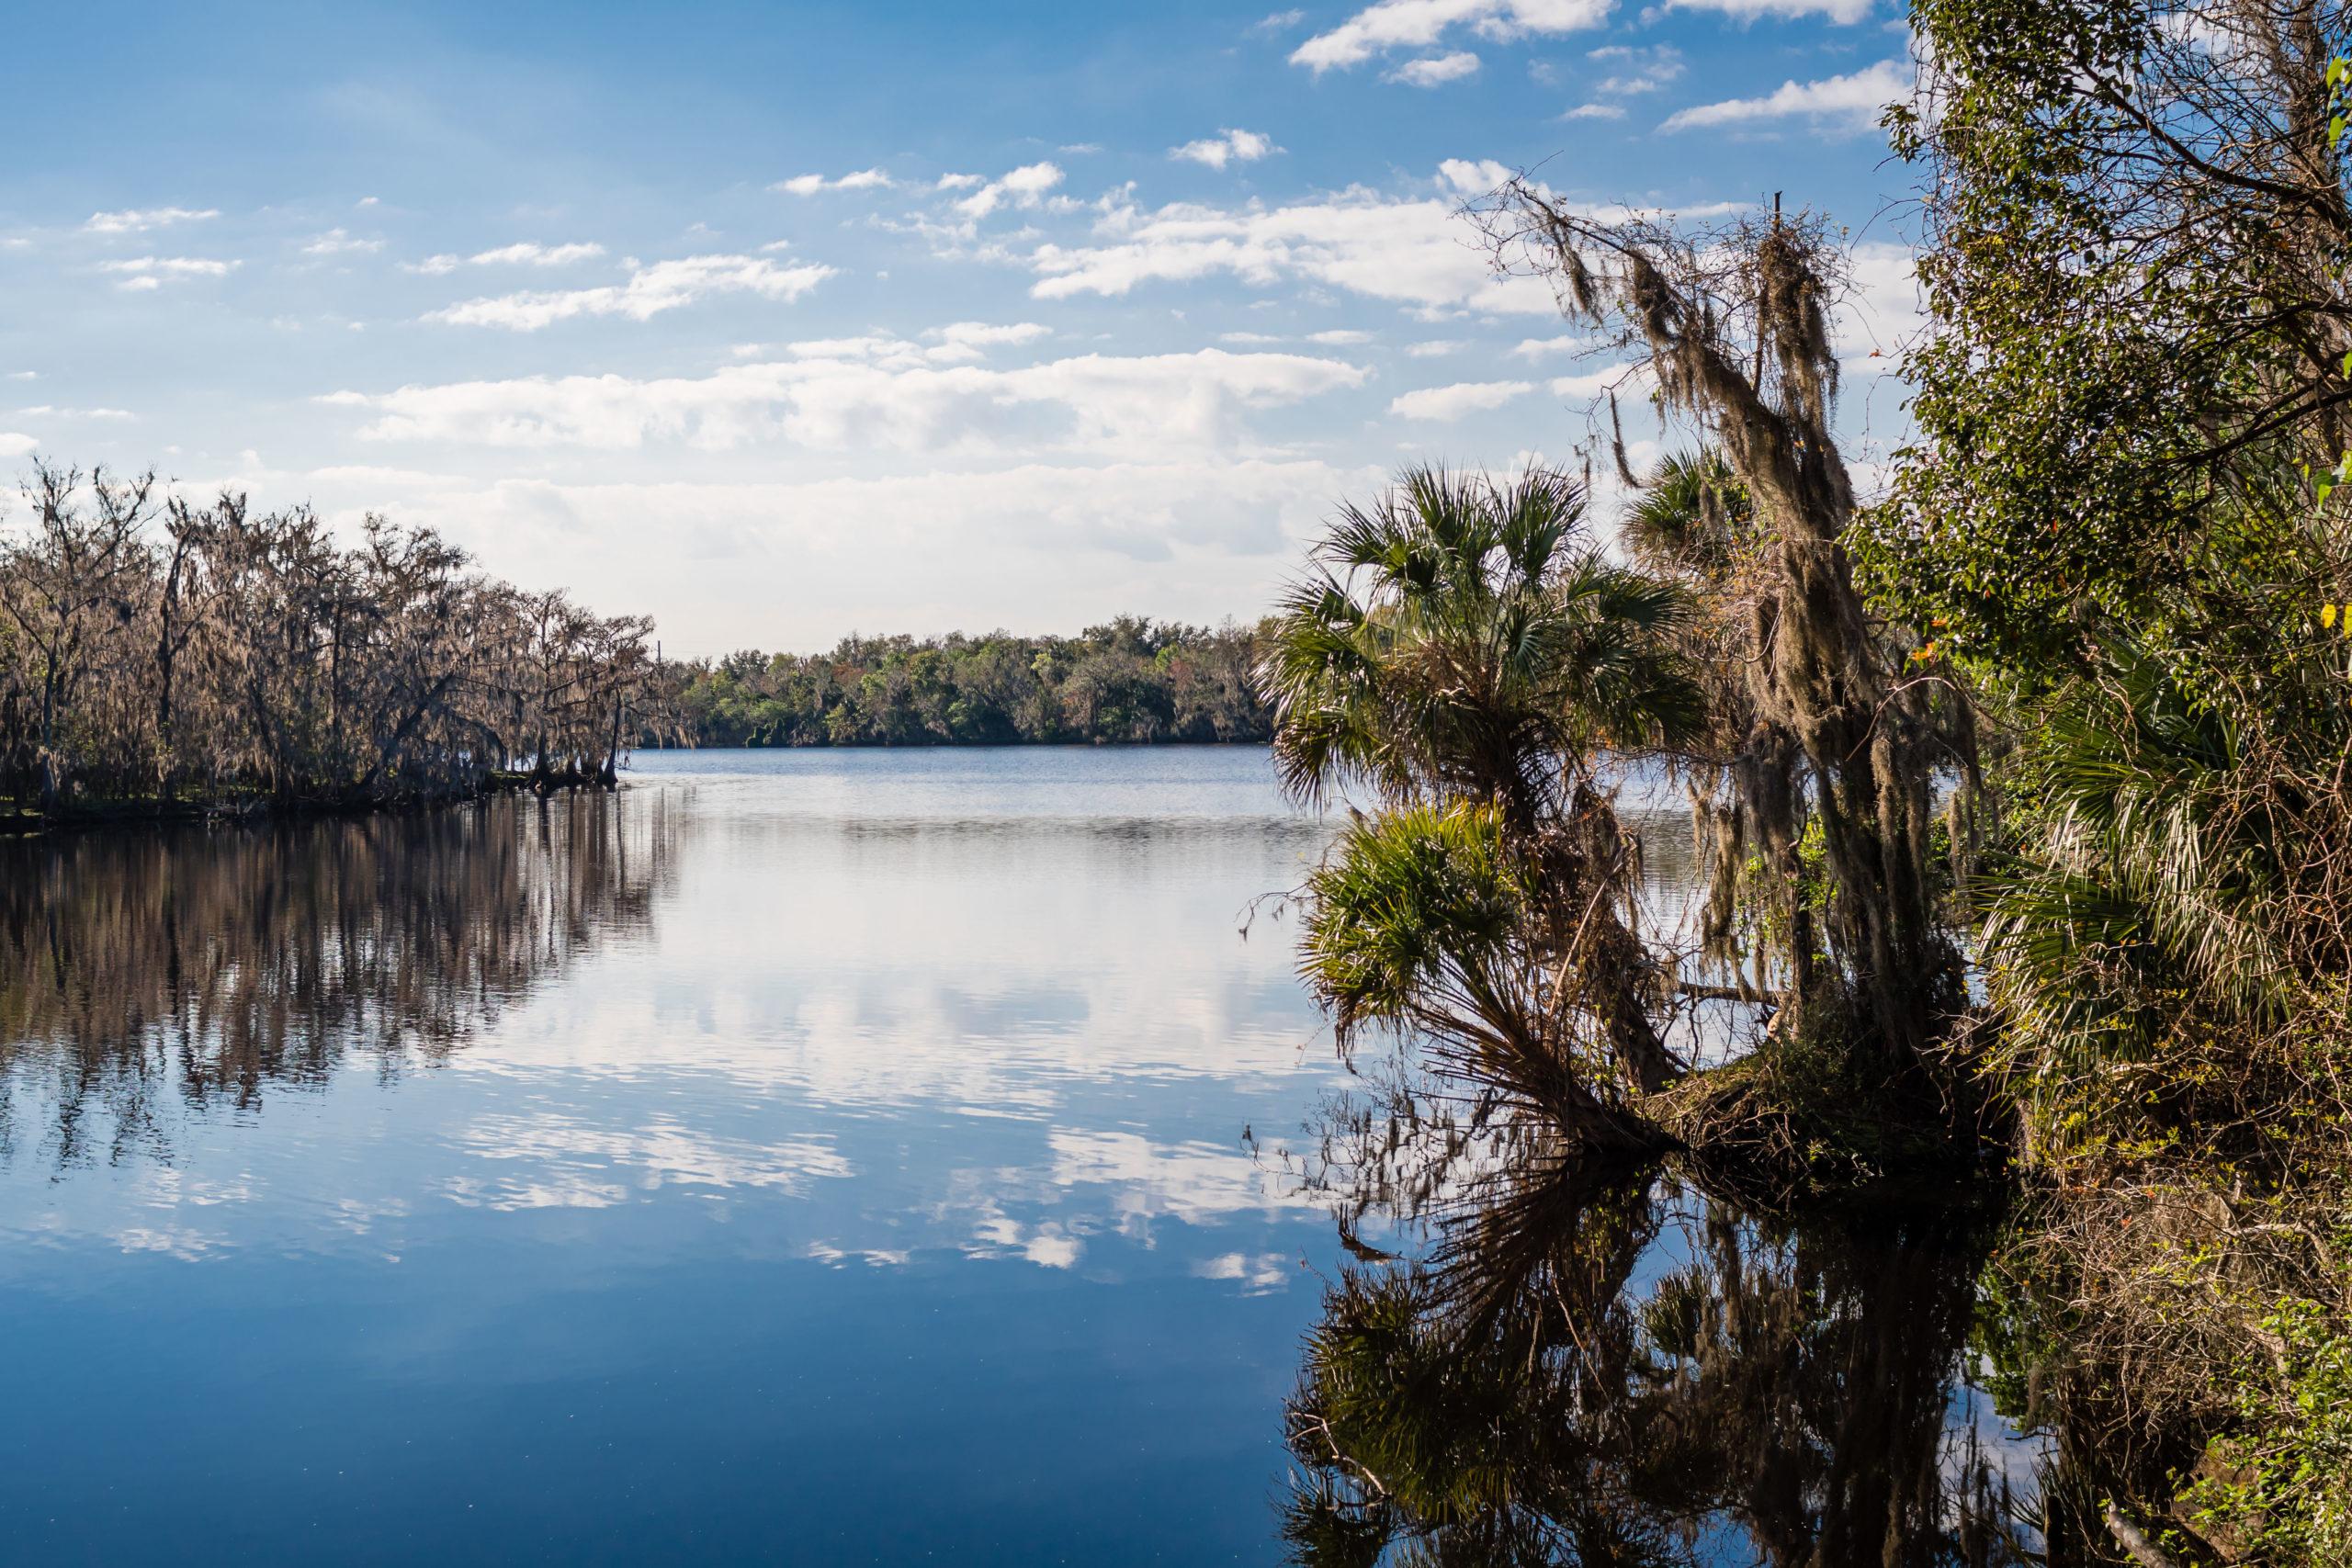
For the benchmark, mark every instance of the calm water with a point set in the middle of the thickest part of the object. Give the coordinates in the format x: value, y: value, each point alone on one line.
x: 813, y: 1157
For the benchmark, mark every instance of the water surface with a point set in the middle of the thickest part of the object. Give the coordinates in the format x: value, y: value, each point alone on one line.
x: 860, y: 1156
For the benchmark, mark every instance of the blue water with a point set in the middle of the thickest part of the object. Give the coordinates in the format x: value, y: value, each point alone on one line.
x: 814, y: 1157
x: 849, y: 1157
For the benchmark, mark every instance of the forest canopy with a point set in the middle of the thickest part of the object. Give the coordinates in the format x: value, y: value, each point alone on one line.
x: 1130, y: 681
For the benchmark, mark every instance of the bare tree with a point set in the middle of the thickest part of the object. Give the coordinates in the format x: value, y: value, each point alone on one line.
x: 76, y: 572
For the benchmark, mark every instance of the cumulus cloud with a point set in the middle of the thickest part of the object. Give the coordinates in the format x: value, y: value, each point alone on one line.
x: 960, y: 341
x: 839, y: 394
x: 14, y: 443
x: 1592, y: 384
x: 1882, y: 312
x: 1409, y: 251
x: 811, y: 185
x: 1634, y: 70
x: 1850, y: 102
x: 1226, y: 146
x: 1417, y: 24
x: 139, y: 221
x: 1596, y: 111
x: 1545, y: 347
x: 526, y: 254
x: 1472, y: 177
x: 1436, y: 70
x: 339, y: 243
x: 663, y: 286
x: 1024, y: 187
x: 143, y: 273
x: 1848, y: 11
x: 1461, y: 398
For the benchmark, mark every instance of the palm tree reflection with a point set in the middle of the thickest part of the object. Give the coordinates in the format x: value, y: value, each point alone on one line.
x: 1590, y: 1371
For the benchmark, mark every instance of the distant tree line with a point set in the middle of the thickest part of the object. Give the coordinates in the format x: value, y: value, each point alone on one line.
x: 156, y: 654
x: 1131, y: 681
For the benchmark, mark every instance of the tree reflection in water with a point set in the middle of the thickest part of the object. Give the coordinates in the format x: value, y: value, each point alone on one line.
x: 212, y: 964
x: 1623, y: 1371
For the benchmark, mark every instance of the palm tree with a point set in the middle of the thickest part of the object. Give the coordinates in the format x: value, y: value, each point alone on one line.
x: 1691, y: 517
x: 1462, y: 646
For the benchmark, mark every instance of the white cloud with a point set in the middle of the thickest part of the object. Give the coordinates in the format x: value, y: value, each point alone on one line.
x: 1460, y: 399
x: 433, y: 266
x: 339, y: 243
x: 1024, y: 186
x: 809, y: 185
x: 1340, y: 337
x: 850, y: 393
x: 1596, y: 111
x: 1474, y: 177
x: 1227, y: 146
x: 526, y: 254
x: 1543, y: 347
x: 1851, y: 102
x: 1882, y: 312
x: 1417, y: 24
x: 1634, y: 70
x: 1436, y: 70
x: 964, y: 341
x: 1278, y: 22
x: 143, y: 273
x: 14, y: 443
x: 663, y: 286
x: 1592, y: 384
x: 140, y: 221
x: 958, y: 182
x: 1751, y: 10
x: 1435, y: 348
x: 1411, y: 251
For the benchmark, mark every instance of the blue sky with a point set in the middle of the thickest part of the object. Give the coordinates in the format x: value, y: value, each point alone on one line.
x: 781, y: 321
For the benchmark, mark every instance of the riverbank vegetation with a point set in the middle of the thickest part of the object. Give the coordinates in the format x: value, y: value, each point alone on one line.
x: 158, y: 657
x: 1129, y: 682
x: 2023, y: 789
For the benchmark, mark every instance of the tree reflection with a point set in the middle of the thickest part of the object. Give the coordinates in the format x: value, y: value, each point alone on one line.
x: 1589, y: 1370
x: 204, y: 966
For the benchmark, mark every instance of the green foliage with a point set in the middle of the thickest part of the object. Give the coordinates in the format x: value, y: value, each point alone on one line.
x: 1411, y: 902
x: 1692, y: 517
x: 2122, y: 385
x: 2282, y: 1487
x: 1462, y: 638
x: 1129, y: 680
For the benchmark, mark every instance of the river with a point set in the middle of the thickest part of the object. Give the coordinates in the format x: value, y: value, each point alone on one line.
x: 845, y: 1156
